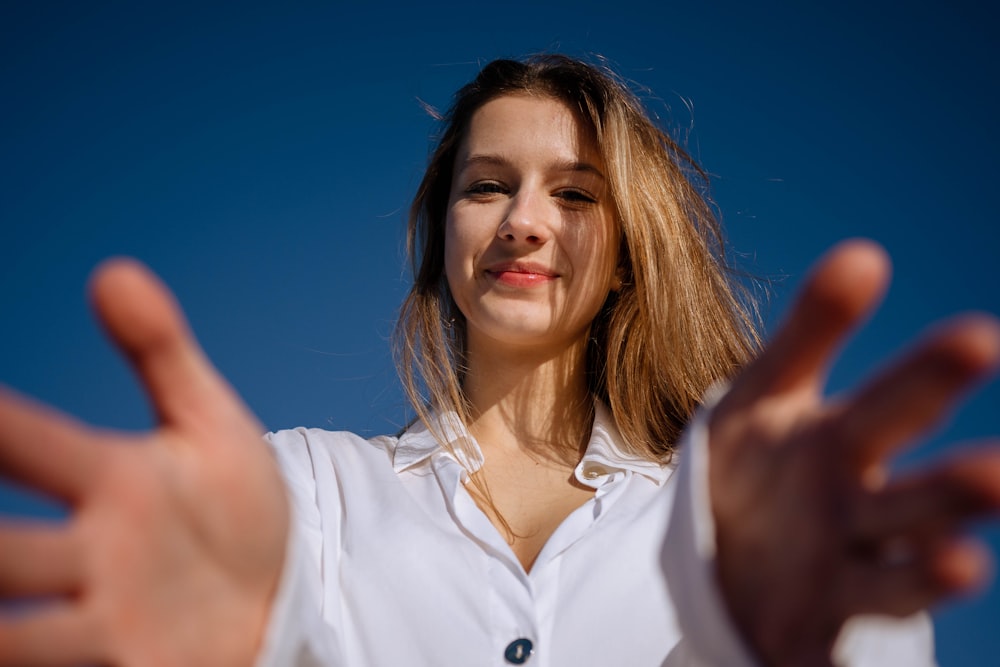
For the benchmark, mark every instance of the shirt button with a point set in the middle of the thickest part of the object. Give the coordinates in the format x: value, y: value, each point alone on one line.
x: 518, y: 651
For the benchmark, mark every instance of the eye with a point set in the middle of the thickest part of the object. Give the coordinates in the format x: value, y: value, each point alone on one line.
x: 578, y: 197
x: 486, y: 188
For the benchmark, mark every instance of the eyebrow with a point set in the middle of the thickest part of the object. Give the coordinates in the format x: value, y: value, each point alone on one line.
x: 556, y: 165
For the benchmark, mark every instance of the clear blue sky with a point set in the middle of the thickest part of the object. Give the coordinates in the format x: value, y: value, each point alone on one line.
x: 262, y: 159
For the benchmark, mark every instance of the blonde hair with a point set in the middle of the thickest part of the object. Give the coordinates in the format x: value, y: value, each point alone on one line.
x: 679, y: 323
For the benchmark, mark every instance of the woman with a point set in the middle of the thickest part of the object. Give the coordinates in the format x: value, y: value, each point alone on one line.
x: 570, y: 310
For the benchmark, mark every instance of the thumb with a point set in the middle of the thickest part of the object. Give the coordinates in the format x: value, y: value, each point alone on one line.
x: 142, y: 318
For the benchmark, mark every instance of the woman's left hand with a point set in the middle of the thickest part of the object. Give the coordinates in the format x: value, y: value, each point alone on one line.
x: 811, y: 528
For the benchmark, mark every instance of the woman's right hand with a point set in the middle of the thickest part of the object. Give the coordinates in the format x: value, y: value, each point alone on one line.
x: 810, y: 527
x: 175, y: 540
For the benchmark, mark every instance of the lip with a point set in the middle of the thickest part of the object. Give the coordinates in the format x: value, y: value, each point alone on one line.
x: 521, y: 274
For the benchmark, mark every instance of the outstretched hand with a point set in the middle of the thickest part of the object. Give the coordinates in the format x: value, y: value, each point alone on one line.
x: 811, y: 529
x: 172, y: 535
x: 178, y: 533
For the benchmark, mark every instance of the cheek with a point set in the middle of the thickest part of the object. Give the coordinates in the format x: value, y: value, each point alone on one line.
x: 460, y: 244
x: 457, y: 260
x: 608, y: 249
x: 597, y: 252
x: 451, y: 244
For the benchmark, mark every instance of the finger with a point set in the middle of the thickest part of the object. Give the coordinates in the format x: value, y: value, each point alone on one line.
x: 917, y: 392
x: 942, y: 569
x: 143, y: 319
x: 37, y: 560
x: 55, y: 635
x: 843, y: 287
x: 45, y: 449
x: 933, y: 502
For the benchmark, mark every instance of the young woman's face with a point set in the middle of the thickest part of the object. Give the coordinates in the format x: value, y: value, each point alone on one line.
x: 530, y: 241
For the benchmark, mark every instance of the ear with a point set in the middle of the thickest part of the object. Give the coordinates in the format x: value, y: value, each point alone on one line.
x: 618, y: 279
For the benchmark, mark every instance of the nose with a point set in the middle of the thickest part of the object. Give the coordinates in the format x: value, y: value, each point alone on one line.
x: 526, y: 219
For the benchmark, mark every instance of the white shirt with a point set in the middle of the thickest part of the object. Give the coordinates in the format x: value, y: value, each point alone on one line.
x: 390, y: 562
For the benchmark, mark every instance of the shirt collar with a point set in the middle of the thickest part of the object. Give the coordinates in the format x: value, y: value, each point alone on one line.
x: 419, y: 443
x: 604, y: 454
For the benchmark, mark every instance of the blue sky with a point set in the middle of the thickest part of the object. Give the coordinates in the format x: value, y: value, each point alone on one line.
x: 261, y: 159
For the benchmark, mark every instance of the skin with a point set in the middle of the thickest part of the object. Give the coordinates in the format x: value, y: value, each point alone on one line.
x: 529, y: 196
x: 176, y: 537
x: 175, y: 541
x: 530, y: 256
x: 786, y: 461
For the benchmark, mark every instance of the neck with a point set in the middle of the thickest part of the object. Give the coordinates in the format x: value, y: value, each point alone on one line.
x: 529, y: 401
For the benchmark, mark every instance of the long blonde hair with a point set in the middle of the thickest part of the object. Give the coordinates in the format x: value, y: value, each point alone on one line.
x: 679, y: 323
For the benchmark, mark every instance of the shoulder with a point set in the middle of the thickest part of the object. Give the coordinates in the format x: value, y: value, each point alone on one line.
x: 316, y: 437
x: 304, y: 452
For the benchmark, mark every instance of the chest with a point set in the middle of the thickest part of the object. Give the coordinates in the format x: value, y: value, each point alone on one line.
x: 526, y: 502
x: 438, y: 580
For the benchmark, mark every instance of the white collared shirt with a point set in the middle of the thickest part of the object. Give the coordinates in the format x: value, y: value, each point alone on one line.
x: 390, y: 562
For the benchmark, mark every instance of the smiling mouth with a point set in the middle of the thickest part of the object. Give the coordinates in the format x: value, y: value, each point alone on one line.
x: 518, y: 275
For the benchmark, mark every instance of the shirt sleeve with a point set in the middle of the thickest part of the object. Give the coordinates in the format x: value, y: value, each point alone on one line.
x: 709, y: 637
x: 297, y: 633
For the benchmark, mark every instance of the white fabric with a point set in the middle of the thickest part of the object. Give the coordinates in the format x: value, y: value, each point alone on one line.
x: 392, y: 563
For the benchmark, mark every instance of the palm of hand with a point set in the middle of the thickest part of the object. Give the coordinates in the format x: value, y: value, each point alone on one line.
x: 809, y: 529
x: 176, y: 540
x: 173, y: 537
